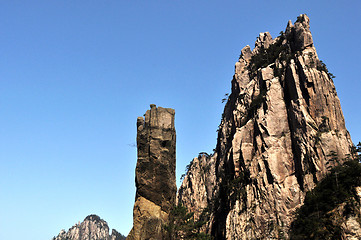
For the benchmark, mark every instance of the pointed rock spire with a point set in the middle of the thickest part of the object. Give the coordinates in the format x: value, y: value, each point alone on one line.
x: 155, y: 173
x: 282, y: 121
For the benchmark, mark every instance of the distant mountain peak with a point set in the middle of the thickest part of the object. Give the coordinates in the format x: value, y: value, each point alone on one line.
x: 92, y: 228
x: 93, y: 217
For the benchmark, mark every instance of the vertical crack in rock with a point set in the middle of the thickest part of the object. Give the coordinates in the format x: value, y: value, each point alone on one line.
x: 155, y: 173
x: 281, y: 122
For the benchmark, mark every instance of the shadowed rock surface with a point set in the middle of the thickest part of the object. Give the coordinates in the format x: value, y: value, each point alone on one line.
x: 332, y: 209
x: 92, y: 228
x: 155, y: 173
x: 281, y: 130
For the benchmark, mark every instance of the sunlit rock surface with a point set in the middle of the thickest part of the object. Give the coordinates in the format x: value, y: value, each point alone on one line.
x: 92, y: 228
x: 155, y: 173
x: 281, y: 128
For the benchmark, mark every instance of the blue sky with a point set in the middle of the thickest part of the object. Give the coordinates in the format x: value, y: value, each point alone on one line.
x: 75, y: 75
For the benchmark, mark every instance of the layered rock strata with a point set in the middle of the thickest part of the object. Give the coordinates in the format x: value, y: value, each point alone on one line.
x: 92, y: 228
x: 281, y: 131
x: 155, y: 173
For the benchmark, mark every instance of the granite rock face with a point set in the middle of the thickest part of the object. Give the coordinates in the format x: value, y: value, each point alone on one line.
x: 92, y: 228
x: 199, y: 183
x: 352, y: 225
x: 155, y: 173
x: 281, y: 128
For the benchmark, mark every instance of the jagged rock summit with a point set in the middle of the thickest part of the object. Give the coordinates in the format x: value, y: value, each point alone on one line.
x: 155, y: 173
x: 280, y: 133
x: 92, y: 228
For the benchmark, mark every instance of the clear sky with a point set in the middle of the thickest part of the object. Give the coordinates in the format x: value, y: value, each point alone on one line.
x: 76, y: 74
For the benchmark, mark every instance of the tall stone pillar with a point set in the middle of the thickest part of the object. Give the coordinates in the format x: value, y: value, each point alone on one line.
x: 155, y: 173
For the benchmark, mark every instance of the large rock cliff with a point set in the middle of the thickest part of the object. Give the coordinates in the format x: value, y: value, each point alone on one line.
x: 280, y: 133
x: 92, y: 228
x: 155, y: 173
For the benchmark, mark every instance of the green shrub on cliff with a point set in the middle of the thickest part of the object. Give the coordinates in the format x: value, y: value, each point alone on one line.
x: 183, y: 226
x: 269, y: 55
x: 315, y: 219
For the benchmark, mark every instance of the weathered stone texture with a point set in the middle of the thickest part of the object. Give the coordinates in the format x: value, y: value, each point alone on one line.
x: 197, y: 189
x: 350, y: 223
x: 155, y: 173
x: 280, y: 128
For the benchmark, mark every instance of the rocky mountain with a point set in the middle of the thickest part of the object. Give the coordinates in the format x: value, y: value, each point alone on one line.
x: 92, y: 228
x: 155, y: 173
x: 281, y: 132
x: 284, y: 166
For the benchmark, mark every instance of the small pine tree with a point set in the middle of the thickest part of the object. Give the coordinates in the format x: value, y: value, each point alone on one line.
x: 183, y: 226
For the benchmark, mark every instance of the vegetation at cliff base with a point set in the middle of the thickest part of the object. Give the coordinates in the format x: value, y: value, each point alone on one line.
x: 182, y: 225
x: 317, y: 218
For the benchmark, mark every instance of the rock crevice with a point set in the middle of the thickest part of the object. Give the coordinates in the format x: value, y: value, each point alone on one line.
x: 155, y: 173
x: 280, y: 124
